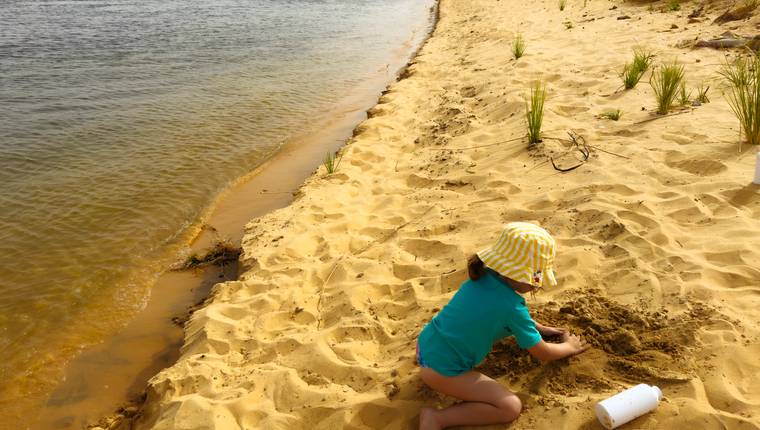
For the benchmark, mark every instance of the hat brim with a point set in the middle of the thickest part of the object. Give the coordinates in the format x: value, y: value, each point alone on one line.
x: 524, y: 274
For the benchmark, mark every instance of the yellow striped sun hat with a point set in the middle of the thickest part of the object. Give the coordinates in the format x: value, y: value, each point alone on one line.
x: 524, y: 252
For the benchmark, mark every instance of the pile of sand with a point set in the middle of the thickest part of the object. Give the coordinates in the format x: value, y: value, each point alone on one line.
x: 658, y: 262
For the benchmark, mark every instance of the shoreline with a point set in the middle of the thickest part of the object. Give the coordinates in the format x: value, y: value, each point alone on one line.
x: 318, y: 332
x: 250, y: 196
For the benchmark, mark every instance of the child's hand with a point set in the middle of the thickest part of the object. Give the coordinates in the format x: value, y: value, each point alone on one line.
x: 577, y: 344
x: 547, y: 351
x: 551, y: 333
x: 547, y: 331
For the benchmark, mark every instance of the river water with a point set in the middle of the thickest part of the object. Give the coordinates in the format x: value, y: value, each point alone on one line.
x: 121, y: 121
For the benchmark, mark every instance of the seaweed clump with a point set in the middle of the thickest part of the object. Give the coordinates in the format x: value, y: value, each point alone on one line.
x: 222, y: 253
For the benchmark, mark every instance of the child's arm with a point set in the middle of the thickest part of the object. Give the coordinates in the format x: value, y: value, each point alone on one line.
x: 571, y: 345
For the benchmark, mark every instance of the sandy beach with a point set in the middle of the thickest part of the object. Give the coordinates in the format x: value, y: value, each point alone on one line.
x: 658, y: 262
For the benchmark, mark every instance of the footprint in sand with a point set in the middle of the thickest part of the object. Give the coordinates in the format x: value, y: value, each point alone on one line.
x: 695, y: 166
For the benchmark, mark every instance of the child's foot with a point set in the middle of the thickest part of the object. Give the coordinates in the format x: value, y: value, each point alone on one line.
x: 427, y: 420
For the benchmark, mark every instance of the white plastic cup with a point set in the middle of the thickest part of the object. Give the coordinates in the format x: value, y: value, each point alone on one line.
x: 628, y: 405
x: 757, y: 170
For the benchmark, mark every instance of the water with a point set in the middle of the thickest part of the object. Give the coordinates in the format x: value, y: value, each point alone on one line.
x: 122, y: 120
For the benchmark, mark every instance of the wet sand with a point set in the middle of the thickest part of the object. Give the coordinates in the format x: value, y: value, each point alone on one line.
x: 657, y: 267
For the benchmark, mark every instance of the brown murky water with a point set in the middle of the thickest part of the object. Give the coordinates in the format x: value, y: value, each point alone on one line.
x: 122, y: 124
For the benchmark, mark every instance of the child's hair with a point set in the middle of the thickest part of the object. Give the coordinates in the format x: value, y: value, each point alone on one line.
x: 475, y: 267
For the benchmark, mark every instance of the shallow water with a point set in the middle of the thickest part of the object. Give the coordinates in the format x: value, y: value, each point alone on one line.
x: 122, y: 120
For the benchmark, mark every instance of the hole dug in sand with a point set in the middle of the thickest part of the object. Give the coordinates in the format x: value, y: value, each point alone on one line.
x: 630, y: 345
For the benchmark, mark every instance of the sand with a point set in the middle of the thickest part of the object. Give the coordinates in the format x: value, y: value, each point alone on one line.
x: 658, y: 263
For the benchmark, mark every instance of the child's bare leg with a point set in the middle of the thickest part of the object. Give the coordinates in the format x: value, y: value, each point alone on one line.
x: 486, y: 401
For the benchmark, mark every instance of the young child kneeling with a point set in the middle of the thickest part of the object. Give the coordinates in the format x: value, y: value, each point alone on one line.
x: 486, y: 308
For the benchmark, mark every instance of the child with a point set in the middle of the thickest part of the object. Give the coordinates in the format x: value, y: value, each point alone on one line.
x: 487, y: 308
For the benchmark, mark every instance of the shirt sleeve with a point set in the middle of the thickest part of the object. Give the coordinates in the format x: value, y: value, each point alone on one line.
x: 523, y: 327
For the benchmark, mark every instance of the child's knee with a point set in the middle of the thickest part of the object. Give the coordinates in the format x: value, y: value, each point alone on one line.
x: 511, y: 407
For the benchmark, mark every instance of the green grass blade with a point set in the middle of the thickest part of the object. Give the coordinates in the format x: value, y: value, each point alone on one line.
x: 534, y: 112
x: 518, y: 46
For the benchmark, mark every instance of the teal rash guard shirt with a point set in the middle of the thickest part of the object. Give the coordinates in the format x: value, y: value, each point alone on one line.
x: 479, y: 314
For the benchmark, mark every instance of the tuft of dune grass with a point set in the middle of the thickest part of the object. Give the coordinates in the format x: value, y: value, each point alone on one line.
x: 666, y: 81
x: 534, y: 111
x: 518, y: 46
x: 331, y: 162
x: 633, y: 71
x: 702, y: 94
x: 684, y: 98
x: 743, y: 78
x: 613, y: 114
